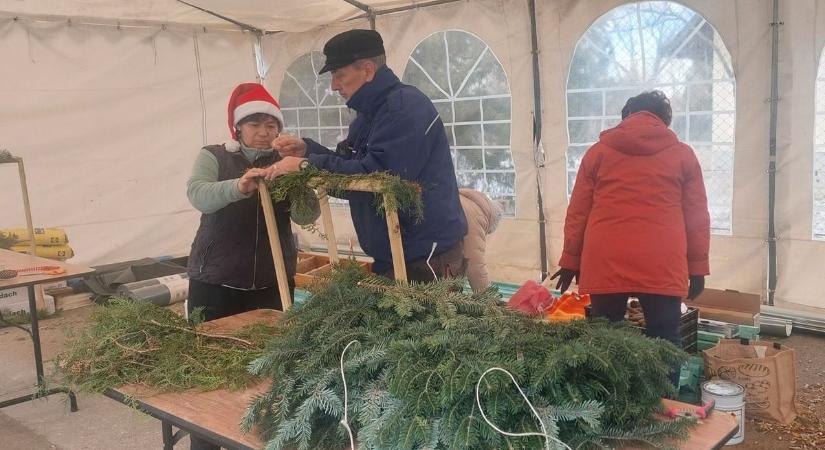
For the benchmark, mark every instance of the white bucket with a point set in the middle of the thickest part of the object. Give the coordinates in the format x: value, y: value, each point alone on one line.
x: 729, y: 398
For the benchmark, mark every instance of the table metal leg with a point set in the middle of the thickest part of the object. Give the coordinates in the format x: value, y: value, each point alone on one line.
x: 38, y: 365
x: 38, y: 354
x: 168, y: 439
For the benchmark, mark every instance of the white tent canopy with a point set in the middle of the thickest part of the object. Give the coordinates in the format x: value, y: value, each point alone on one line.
x: 108, y: 103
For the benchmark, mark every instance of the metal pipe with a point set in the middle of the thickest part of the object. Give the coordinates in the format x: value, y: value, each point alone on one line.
x: 242, y: 25
x: 414, y: 6
x: 367, y: 9
x: 814, y: 323
x: 772, y: 276
x: 775, y: 327
x: 538, y: 152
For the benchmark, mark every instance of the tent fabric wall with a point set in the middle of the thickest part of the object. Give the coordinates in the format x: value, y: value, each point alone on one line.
x: 800, y: 258
x: 737, y: 261
x: 108, y: 122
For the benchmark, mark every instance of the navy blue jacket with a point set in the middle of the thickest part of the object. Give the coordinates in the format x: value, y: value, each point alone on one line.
x: 397, y: 130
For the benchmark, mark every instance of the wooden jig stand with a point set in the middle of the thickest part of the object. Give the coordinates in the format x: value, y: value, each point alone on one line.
x: 24, y: 190
x: 393, y: 226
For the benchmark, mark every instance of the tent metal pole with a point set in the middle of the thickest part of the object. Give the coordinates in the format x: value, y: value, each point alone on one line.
x: 242, y: 25
x: 774, y: 100
x: 538, y: 153
x: 367, y: 9
x: 414, y: 6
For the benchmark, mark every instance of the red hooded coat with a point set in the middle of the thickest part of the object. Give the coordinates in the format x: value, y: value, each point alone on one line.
x: 638, y: 218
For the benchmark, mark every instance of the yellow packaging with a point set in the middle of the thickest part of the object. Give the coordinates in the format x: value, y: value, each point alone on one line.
x: 42, y: 236
x: 58, y: 252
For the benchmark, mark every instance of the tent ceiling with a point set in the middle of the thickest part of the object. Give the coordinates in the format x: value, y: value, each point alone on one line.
x: 270, y: 15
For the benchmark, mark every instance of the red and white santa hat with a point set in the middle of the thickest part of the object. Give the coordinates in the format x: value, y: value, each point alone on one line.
x: 248, y: 99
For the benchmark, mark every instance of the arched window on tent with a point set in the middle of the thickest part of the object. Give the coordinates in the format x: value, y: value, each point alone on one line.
x: 658, y: 45
x: 311, y: 109
x: 468, y: 86
x: 819, y: 153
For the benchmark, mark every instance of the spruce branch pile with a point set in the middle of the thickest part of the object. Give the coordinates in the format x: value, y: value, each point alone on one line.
x: 135, y: 342
x: 402, y: 196
x: 421, y: 349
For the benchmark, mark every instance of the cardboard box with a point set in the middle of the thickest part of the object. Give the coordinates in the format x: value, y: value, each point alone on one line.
x: 13, y: 300
x: 311, y: 266
x: 729, y: 306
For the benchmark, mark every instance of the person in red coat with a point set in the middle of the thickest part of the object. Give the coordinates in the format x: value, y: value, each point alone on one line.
x: 638, y: 222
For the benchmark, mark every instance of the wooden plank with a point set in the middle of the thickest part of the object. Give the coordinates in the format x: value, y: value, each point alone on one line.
x: 329, y: 229
x: 710, y: 433
x: 358, y: 185
x: 275, y: 245
x: 14, y: 260
x: 399, y: 267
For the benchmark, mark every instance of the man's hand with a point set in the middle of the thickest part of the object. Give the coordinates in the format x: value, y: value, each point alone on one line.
x: 289, y: 145
x: 697, y: 285
x: 248, y: 183
x: 286, y: 165
x: 565, y: 277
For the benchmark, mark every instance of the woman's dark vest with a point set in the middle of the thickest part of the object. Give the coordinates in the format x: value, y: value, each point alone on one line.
x: 231, y: 247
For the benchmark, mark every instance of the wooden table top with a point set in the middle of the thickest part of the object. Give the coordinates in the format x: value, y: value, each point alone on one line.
x: 16, y: 261
x: 219, y: 412
x: 216, y: 413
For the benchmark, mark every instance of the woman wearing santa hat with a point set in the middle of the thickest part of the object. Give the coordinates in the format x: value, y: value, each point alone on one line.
x: 230, y: 265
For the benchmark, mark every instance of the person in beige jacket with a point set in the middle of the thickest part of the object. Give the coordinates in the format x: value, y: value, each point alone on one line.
x: 483, y: 216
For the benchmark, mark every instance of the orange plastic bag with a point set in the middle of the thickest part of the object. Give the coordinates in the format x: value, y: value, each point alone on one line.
x: 532, y: 299
x: 570, y: 306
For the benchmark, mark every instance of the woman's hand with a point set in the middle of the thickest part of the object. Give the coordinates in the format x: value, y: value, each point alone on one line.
x: 248, y: 183
x: 286, y: 165
x: 696, y: 286
x: 565, y: 277
x: 289, y: 145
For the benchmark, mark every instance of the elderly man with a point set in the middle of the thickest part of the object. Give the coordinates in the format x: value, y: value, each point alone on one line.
x: 397, y: 130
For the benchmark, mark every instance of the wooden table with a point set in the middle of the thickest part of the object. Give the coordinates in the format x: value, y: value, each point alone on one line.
x: 13, y: 260
x: 216, y: 415
x: 213, y: 415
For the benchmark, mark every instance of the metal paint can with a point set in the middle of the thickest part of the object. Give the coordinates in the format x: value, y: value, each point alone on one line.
x: 730, y: 399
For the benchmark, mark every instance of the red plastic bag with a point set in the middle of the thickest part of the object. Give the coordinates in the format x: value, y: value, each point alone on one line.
x: 532, y: 299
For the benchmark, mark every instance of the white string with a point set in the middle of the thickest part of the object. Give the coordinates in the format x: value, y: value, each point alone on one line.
x: 435, y: 277
x: 541, y: 422
x: 344, y: 421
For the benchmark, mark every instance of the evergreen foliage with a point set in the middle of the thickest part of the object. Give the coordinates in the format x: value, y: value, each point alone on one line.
x: 402, y: 196
x: 422, y: 348
x: 135, y: 342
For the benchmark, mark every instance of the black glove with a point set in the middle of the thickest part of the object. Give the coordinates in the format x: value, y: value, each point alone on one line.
x: 565, y: 277
x: 697, y: 285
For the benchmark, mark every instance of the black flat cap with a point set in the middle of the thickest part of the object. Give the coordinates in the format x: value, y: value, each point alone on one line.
x: 347, y: 47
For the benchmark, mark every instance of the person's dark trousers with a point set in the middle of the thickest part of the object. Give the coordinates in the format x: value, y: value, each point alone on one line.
x: 663, y: 316
x: 221, y: 301
x: 447, y: 264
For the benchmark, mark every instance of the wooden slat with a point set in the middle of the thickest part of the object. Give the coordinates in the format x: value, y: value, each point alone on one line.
x: 275, y: 245
x: 329, y: 229
x: 358, y: 185
x: 396, y: 247
x: 710, y: 433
